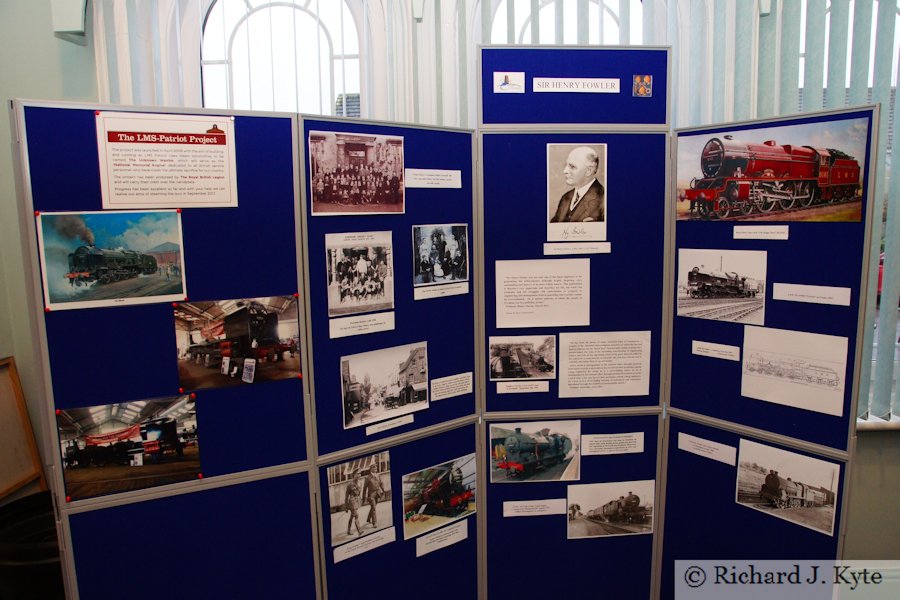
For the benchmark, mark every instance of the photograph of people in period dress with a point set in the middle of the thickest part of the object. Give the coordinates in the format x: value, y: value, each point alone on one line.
x: 217, y: 340
x: 801, y: 172
x: 112, y: 258
x: 359, y: 497
x: 522, y: 357
x: 535, y: 451
x: 440, y: 254
x: 355, y: 173
x: 127, y: 446
x: 607, y: 509
x: 383, y: 384
x: 787, y: 485
x: 360, y: 269
x: 576, y: 192
x: 438, y: 495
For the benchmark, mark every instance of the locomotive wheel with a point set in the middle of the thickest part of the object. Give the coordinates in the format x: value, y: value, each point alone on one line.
x: 788, y: 203
x: 746, y: 207
x: 703, y: 210
x: 724, y: 210
x: 808, y: 201
x: 766, y: 205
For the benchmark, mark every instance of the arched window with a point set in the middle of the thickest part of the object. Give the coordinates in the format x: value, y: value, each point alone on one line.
x: 595, y: 22
x: 288, y: 55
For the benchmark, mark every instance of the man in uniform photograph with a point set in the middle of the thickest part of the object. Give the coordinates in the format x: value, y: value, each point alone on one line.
x: 584, y: 202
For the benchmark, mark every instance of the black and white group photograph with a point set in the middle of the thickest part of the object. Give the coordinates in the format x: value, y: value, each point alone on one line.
x: 233, y: 342
x: 114, y: 448
x: 114, y: 258
x: 722, y: 285
x: 438, y: 495
x: 576, y: 192
x: 522, y: 357
x: 359, y: 497
x: 383, y: 384
x: 787, y: 485
x: 535, y: 451
x: 608, y: 509
x: 360, y: 269
x: 355, y: 173
x: 440, y: 254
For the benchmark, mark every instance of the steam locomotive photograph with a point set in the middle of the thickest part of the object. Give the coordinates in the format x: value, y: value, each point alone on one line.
x: 522, y: 357
x: 113, y: 448
x: 804, y: 172
x: 234, y: 342
x: 359, y: 497
x: 535, y: 451
x: 787, y: 485
x: 112, y: 258
x: 605, y: 509
x: 722, y: 285
x: 438, y: 495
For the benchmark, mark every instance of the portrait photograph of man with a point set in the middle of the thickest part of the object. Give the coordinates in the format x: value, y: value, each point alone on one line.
x: 576, y: 192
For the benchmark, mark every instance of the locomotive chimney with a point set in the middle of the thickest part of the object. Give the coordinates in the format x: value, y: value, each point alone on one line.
x: 518, y: 430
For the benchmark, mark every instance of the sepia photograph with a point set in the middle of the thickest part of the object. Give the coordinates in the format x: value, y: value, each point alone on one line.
x: 384, y: 384
x: 803, y: 172
x: 787, y: 485
x: 113, y: 258
x: 607, y: 509
x: 440, y: 254
x: 359, y: 497
x: 114, y: 448
x: 576, y: 192
x: 522, y: 357
x: 535, y: 451
x: 352, y: 173
x: 722, y: 285
x: 231, y: 342
x: 438, y: 495
x: 360, y: 270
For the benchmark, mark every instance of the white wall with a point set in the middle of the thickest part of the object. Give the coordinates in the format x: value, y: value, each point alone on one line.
x: 35, y: 64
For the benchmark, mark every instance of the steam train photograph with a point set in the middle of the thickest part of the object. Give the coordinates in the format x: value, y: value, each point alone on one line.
x: 128, y: 446
x: 616, y: 508
x: 535, y: 451
x: 522, y: 357
x: 794, y: 369
x: 723, y: 285
x: 122, y: 257
x: 234, y: 342
x: 787, y: 485
x: 438, y: 495
x: 777, y: 173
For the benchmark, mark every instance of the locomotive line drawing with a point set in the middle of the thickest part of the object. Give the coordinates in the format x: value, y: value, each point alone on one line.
x: 88, y: 264
x: 706, y: 283
x: 794, y: 369
x: 624, y: 509
x: 741, y: 178
x: 523, y: 454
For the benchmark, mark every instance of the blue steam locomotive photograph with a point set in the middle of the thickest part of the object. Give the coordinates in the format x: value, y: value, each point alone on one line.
x: 535, y: 451
x: 112, y: 258
x: 787, y: 485
x: 615, y: 508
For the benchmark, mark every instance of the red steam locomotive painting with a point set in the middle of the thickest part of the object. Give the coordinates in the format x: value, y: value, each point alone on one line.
x: 781, y: 173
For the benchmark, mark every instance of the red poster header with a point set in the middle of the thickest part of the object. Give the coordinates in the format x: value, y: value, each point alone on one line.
x: 114, y: 436
x: 155, y: 137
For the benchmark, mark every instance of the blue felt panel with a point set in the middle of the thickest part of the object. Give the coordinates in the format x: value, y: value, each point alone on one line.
x: 571, y: 107
x: 252, y: 540
x: 816, y: 253
x: 123, y: 353
x: 625, y: 284
x: 393, y: 570
x: 446, y: 324
x: 703, y: 521
x: 514, y: 542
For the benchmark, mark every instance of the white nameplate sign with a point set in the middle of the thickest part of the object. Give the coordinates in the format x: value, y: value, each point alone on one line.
x: 404, y: 420
x: 446, y: 536
x: 370, y: 542
x: 534, y: 508
x: 450, y: 386
x: 556, y: 249
x: 433, y: 178
x: 612, y: 443
x: 761, y: 232
x: 814, y: 294
x: 575, y: 84
x: 522, y: 387
x: 712, y: 350
x: 714, y: 450
x: 360, y: 324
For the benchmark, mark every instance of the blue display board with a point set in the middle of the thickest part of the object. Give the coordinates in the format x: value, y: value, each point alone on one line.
x: 118, y: 354
x: 783, y: 375
x: 243, y: 541
x: 394, y: 570
x: 513, y: 542
x: 509, y: 96
x: 624, y: 291
x: 703, y: 520
x: 445, y: 325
